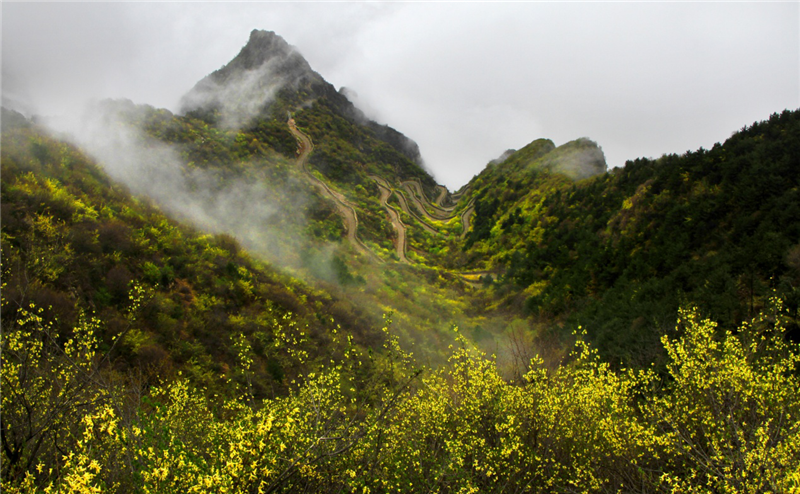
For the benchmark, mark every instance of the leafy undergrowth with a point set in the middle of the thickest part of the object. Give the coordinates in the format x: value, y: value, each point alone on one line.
x: 724, y: 418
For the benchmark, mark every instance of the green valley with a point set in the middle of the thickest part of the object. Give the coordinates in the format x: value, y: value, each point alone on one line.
x: 268, y: 292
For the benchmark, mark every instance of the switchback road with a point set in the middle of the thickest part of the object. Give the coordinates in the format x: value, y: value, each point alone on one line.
x: 394, y: 216
x: 343, y: 207
x: 412, y: 187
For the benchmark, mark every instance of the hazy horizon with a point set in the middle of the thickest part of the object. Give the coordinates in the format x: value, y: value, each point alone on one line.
x: 466, y: 81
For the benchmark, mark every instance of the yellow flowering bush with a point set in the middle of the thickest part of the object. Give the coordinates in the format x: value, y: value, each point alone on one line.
x: 723, y: 418
x: 730, y: 415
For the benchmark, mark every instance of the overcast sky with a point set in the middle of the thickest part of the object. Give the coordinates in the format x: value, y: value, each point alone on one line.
x: 465, y: 80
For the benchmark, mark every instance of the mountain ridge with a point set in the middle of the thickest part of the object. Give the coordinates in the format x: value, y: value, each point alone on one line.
x: 484, y: 236
x: 373, y: 204
x: 264, y: 67
x: 327, y: 318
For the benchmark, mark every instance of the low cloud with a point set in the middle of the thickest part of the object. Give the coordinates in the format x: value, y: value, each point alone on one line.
x: 247, y: 207
x: 578, y: 159
x: 240, y: 98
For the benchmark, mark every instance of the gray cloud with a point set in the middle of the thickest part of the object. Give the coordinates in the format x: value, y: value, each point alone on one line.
x: 465, y: 80
x: 204, y: 198
x: 240, y: 98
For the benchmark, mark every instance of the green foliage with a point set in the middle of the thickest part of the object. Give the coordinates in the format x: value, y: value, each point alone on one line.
x: 729, y: 416
x: 483, y: 222
x: 346, y: 153
x: 620, y: 252
x: 724, y: 419
x: 140, y: 355
x: 73, y: 244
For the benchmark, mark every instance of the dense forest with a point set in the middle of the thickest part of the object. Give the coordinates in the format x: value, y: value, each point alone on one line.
x: 619, y: 253
x: 297, y: 306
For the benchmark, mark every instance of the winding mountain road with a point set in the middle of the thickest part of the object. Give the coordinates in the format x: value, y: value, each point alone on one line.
x: 343, y: 207
x: 442, y: 194
x: 394, y: 216
x: 404, y: 206
x: 415, y: 192
x: 414, y: 189
x: 436, y: 205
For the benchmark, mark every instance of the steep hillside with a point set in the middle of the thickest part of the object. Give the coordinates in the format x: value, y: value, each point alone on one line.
x: 349, y: 149
x: 234, y: 128
x: 303, y: 192
x: 620, y: 252
x: 502, y: 190
x: 169, y: 298
x: 269, y: 79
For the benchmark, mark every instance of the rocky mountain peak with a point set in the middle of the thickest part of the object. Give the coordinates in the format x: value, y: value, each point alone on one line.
x: 245, y: 86
x: 269, y: 70
x: 266, y: 47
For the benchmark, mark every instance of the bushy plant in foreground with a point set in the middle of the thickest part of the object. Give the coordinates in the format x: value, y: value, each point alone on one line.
x: 724, y: 418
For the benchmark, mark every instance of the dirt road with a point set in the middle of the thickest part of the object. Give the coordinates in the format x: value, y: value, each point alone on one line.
x: 465, y: 217
x: 417, y: 196
x: 404, y: 206
x: 394, y: 216
x: 343, y: 207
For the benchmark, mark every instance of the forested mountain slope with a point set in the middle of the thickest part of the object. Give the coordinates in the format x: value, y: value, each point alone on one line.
x: 75, y: 244
x: 621, y: 251
x: 141, y: 355
x: 269, y: 79
x: 544, y: 235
